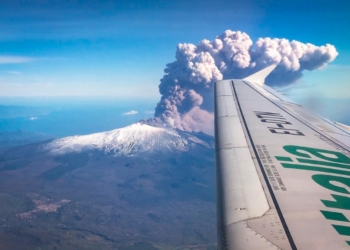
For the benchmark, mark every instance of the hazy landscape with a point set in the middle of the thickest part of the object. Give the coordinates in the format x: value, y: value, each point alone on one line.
x: 96, y: 200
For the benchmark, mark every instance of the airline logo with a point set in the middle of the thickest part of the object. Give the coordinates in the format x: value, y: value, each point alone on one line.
x: 335, y: 176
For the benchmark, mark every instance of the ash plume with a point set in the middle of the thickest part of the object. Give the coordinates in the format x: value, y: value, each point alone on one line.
x: 187, y: 86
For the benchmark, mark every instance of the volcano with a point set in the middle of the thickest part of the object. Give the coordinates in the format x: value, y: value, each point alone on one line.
x: 133, y: 140
x: 138, y: 187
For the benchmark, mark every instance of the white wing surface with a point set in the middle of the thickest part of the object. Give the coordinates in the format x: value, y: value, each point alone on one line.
x: 283, y: 173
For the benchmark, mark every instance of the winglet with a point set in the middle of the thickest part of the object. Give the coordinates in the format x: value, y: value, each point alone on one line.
x: 259, y: 77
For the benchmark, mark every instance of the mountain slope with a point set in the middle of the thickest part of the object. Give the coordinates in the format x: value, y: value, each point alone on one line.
x: 139, y: 187
x: 132, y: 140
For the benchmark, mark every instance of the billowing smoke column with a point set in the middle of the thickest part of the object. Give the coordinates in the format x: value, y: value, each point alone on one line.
x: 187, y: 86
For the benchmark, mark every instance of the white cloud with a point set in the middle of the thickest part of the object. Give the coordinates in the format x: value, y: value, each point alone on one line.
x: 149, y: 112
x: 132, y: 112
x: 188, y: 84
x: 14, y: 59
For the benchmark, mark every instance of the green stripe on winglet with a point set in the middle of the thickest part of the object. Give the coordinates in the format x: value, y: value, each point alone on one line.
x: 343, y: 230
x: 282, y: 158
x: 348, y: 242
x: 334, y: 216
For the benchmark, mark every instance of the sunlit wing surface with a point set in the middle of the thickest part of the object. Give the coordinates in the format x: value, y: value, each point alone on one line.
x: 283, y: 173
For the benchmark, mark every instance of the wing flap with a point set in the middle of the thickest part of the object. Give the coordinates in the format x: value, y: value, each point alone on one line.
x: 240, y: 193
x: 243, y: 237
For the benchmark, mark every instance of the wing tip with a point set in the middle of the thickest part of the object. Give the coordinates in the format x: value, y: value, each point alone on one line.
x: 259, y: 77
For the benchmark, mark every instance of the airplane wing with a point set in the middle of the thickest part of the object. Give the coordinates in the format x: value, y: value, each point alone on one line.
x: 283, y: 173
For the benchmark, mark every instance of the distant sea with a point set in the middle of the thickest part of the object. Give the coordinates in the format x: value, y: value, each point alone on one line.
x: 60, y: 117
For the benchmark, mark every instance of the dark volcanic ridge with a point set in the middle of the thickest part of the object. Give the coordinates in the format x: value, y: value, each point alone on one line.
x: 19, y: 138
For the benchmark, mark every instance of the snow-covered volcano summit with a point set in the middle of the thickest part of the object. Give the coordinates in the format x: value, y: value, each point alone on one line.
x: 132, y: 140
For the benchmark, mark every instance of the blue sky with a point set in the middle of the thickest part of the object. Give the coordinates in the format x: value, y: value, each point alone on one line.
x: 120, y: 48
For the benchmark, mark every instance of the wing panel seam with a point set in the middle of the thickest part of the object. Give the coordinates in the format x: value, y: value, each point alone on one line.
x: 279, y: 212
x: 334, y: 125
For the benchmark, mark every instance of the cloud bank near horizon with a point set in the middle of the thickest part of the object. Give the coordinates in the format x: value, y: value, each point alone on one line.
x: 187, y: 86
x: 15, y: 59
x: 131, y: 112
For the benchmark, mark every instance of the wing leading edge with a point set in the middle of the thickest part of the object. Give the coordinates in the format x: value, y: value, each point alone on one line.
x: 275, y: 167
